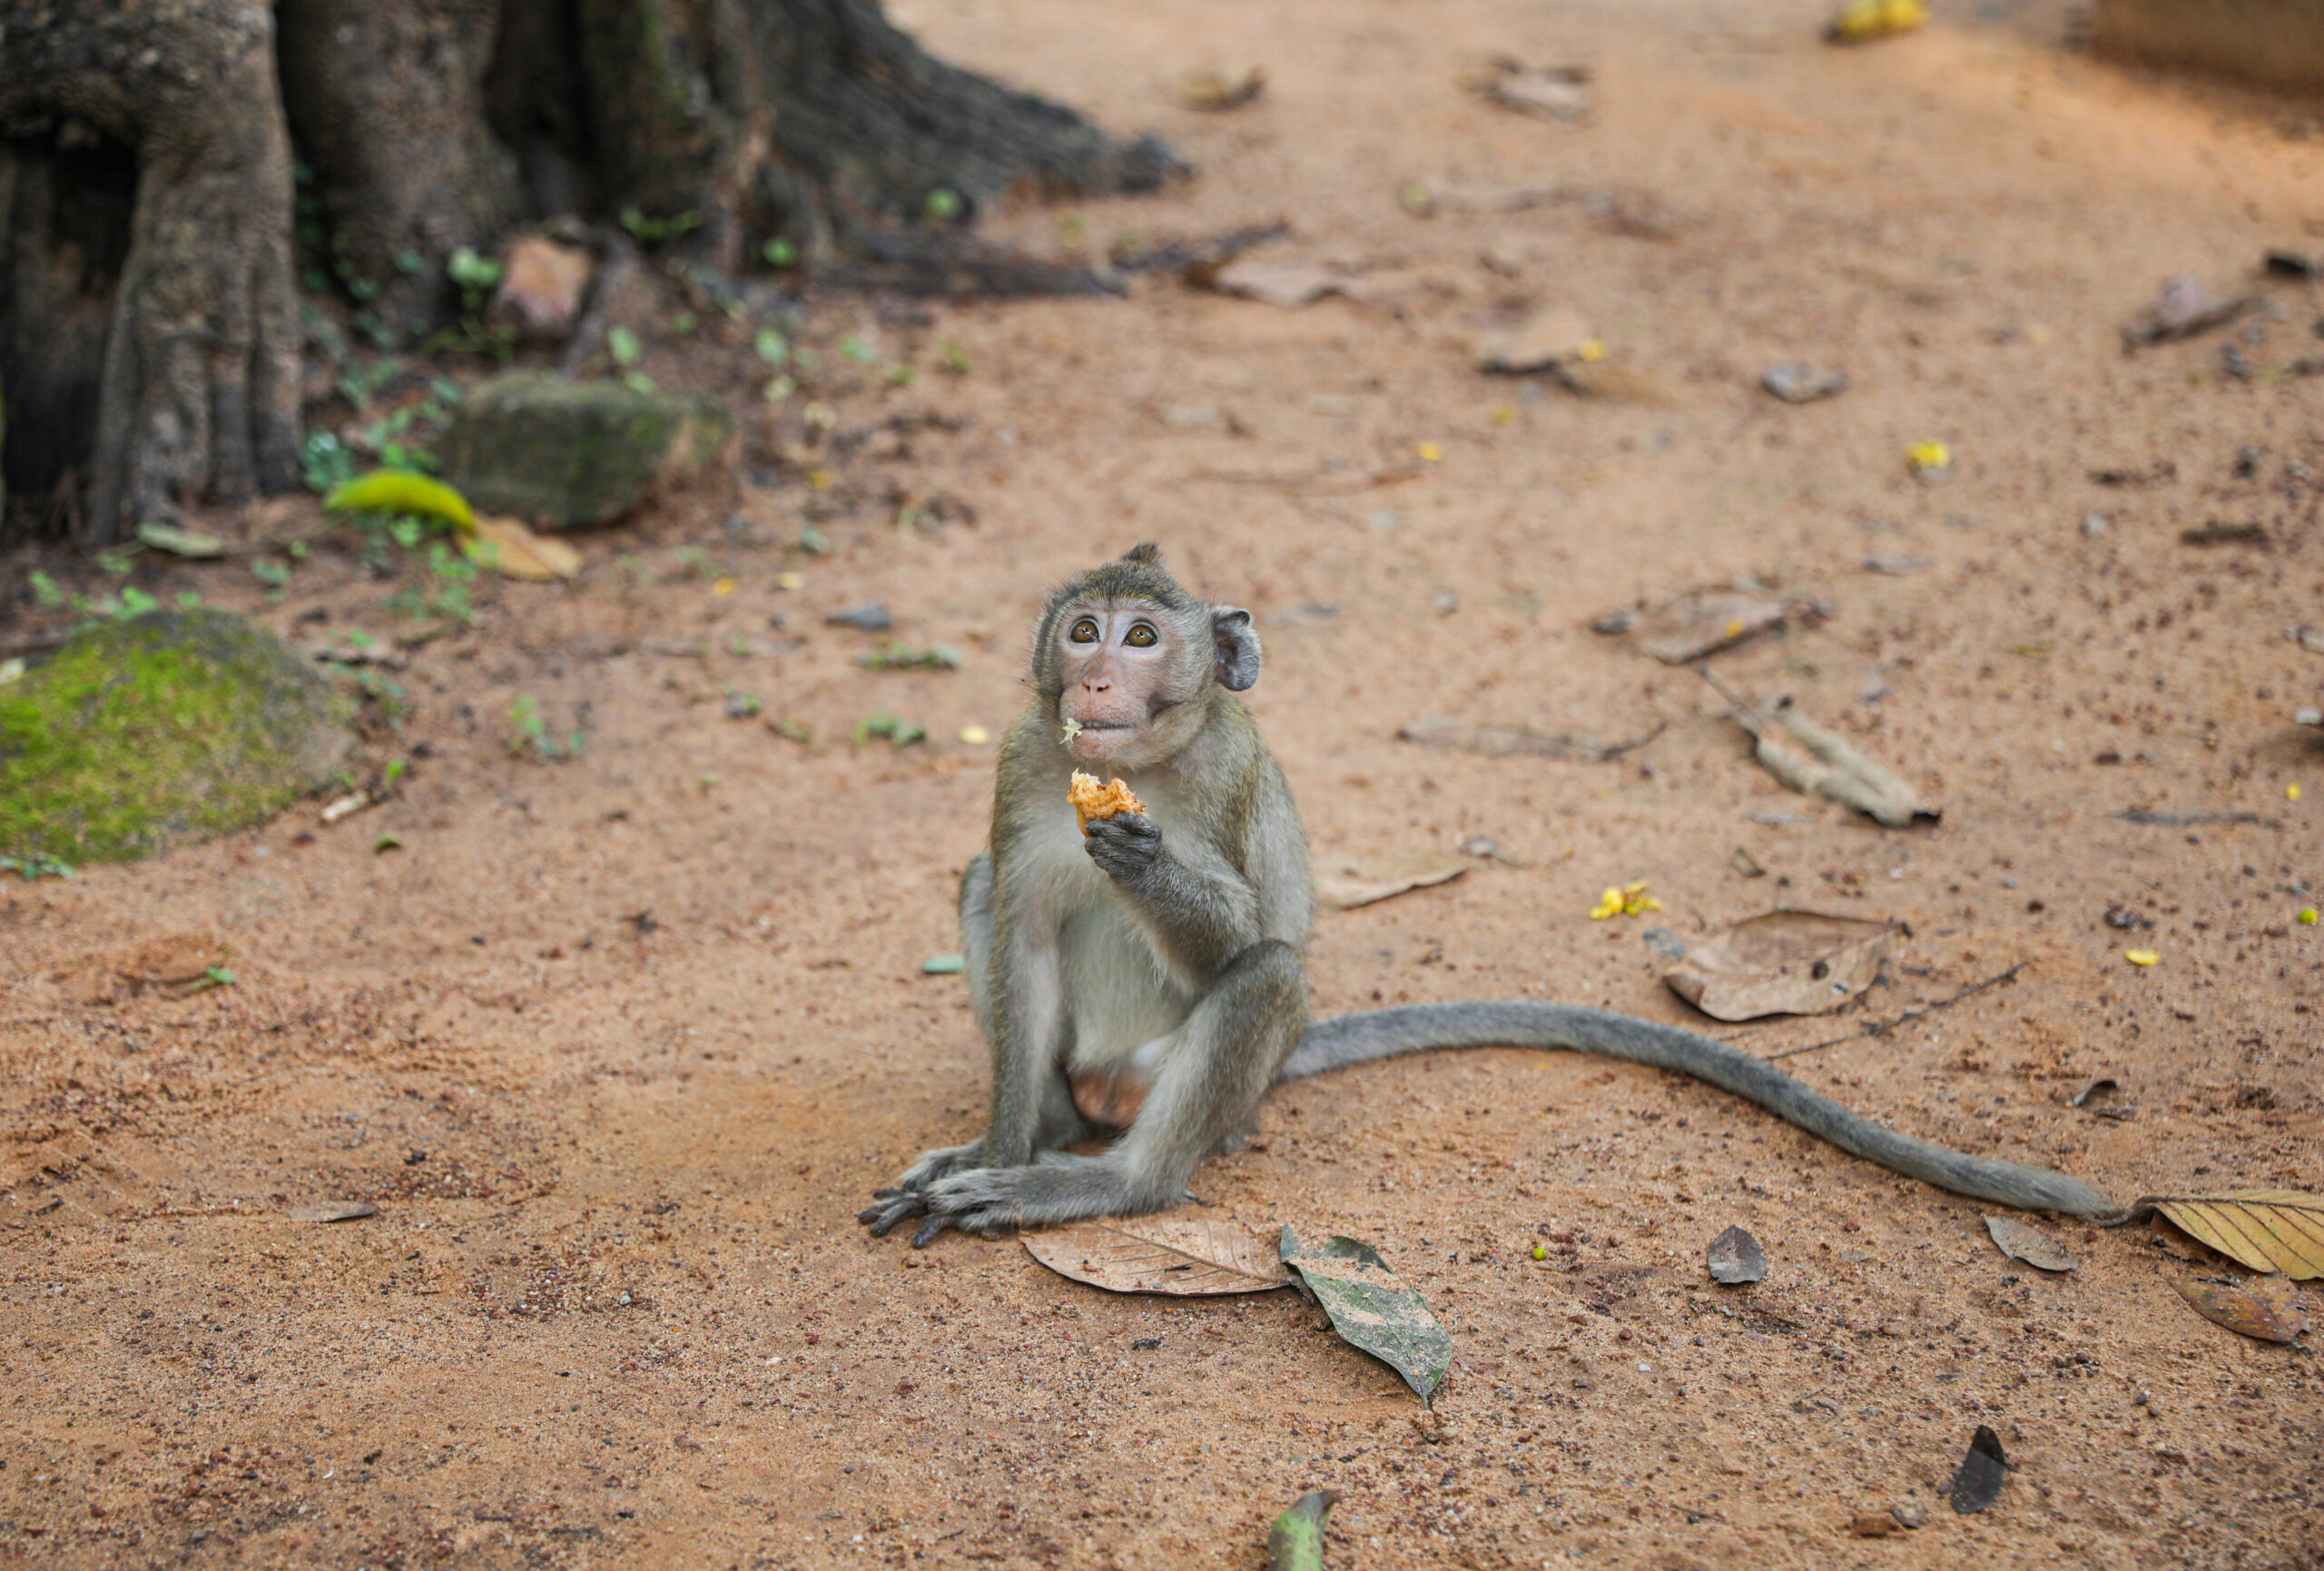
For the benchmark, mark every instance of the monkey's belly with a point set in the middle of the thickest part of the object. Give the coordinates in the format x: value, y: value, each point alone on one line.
x: 1116, y: 997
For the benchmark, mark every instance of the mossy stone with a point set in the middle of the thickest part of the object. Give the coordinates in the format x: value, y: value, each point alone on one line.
x: 167, y: 728
x: 563, y: 454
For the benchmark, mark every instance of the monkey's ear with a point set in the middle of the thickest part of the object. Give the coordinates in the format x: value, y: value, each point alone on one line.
x: 1145, y: 551
x: 1237, y: 644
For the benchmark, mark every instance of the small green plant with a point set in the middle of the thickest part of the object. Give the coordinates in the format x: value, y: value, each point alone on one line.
x: 649, y: 231
x: 189, y: 600
x: 211, y: 976
x: 359, y: 384
x: 528, y: 735
x: 814, y: 543
x: 273, y: 575
x: 796, y: 730
x: 132, y: 601
x: 623, y: 345
x: 382, y: 690
x: 773, y: 347
x: 944, y: 205
x: 886, y: 726
x: 855, y: 348
x: 389, y: 777
x: 43, y: 588
x: 780, y: 252
x: 118, y: 561
x: 444, y: 590
x: 900, y: 658
x: 32, y: 869
x: 952, y: 360
x: 900, y: 376
x: 741, y: 706
x: 324, y: 462
x: 477, y: 277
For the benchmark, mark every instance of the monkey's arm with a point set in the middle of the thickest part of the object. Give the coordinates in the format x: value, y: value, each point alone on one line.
x: 1375, y: 1033
x: 1201, y: 911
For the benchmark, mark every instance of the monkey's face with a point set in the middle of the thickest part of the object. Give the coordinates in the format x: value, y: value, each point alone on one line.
x: 1125, y: 669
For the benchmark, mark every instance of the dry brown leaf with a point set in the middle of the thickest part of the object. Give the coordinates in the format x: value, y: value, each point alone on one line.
x: 2184, y: 307
x: 1358, y: 878
x: 1780, y: 962
x: 1288, y: 284
x: 1182, y: 1258
x: 2035, y: 1248
x: 1556, y: 92
x: 2266, y: 1229
x: 1611, y: 382
x: 1703, y: 623
x: 1808, y: 758
x: 1212, y: 91
x: 2267, y: 1309
x: 334, y: 1211
x: 1549, y: 337
x: 514, y: 551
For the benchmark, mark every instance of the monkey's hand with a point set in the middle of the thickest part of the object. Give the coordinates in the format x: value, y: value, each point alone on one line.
x: 908, y: 1196
x: 1124, y: 845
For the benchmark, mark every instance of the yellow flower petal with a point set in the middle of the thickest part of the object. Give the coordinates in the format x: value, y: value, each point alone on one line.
x: 2292, y: 793
x: 722, y: 586
x: 2140, y: 956
x: 2308, y: 917
x: 789, y: 580
x: 975, y: 735
x: 1431, y: 451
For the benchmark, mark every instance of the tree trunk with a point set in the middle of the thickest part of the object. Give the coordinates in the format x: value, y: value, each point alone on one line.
x: 149, y: 349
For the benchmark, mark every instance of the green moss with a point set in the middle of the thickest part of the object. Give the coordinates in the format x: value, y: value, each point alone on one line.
x: 171, y: 726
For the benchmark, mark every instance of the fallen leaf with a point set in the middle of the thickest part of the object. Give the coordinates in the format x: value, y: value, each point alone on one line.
x: 2218, y: 534
x: 353, y: 802
x: 542, y: 287
x: 334, y: 1211
x: 1703, y: 623
x: 180, y: 542
x: 1349, y: 879
x: 507, y: 548
x: 1548, y: 338
x: 1372, y: 1310
x: 2183, y: 308
x: 400, y: 492
x: 1800, y: 383
x: 2266, y: 1229
x: 1288, y: 284
x: 1171, y: 1255
x: 1781, y: 963
x: 2265, y: 1309
x: 1736, y: 1259
x: 1743, y: 862
x: 1295, y: 1542
x: 1214, y: 92
x: 1514, y: 741
x: 1981, y: 1474
x: 2035, y: 1248
x: 1862, y: 20
x: 1555, y: 92
x: 1808, y: 758
x: 1611, y: 382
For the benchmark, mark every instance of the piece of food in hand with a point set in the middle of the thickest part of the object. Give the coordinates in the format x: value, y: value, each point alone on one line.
x: 1092, y: 800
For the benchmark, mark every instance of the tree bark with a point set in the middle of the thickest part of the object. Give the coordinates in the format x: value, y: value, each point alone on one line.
x: 429, y: 125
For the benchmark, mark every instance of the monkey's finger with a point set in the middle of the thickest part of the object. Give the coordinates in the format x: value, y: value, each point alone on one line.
x: 888, y: 1194
x: 881, y: 1219
x: 929, y: 1230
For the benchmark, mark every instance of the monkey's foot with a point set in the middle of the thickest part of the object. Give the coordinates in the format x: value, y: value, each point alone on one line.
x: 1057, y: 1189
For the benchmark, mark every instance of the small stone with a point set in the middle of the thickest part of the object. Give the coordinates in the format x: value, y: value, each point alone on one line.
x: 562, y: 454
x: 1909, y: 1513
x: 871, y: 617
x: 1800, y: 383
x: 1873, y: 1525
x: 2094, y: 525
x: 1447, y: 602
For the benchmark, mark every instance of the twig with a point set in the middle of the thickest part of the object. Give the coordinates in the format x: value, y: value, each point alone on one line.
x: 1883, y: 1027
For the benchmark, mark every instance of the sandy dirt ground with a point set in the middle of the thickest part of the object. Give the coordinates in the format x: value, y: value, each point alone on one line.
x: 618, y: 1046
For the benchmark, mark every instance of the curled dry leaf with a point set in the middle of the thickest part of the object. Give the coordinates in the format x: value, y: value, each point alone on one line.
x: 2266, y: 1308
x: 1295, y: 1542
x: 514, y: 551
x: 1515, y: 741
x: 1736, y: 1258
x: 1810, y: 759
x: 1982, y: 1471
x: 1288, y: 284
x: 1354, y: 878
x: 1181, y: 1258
x: 1372, y: 1309
x: 2035, y: 1248
x: 1702, y: 623
x: 2266, y: 1229
x: 1781, y: 963
x: 334, y: 1211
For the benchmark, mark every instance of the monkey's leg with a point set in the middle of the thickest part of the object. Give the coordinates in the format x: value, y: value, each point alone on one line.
x: 1205, y: 1090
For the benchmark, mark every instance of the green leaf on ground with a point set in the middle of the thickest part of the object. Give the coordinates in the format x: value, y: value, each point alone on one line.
x: 1295, y: 1542
x: 1372, y: 1309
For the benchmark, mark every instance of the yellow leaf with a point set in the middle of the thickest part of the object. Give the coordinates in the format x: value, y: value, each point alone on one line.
x: 1431, y: 451
x: 2292, y: 793
x: 722, y: 586
x: 2266, y: 1229
x: 1928, y: 456
x: 2140, y: 956
x: 2308, y: 917
x: 512, y: 550
x: 402, y: 491
x: 1861, y: 20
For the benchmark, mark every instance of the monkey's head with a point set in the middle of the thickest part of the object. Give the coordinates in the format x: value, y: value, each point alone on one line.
x: 1138, y: 661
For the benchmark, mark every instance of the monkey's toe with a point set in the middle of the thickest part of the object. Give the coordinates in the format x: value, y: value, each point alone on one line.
x: 927, y: 1232
x: 884, y: 1215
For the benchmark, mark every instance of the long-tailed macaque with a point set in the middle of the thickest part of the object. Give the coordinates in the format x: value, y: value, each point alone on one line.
x: 1164, y: 946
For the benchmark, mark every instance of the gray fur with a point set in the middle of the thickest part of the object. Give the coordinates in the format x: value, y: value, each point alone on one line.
x: 1168, y: 944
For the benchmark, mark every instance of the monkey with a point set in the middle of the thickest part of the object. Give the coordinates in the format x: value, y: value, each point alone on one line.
x: 1167, y: 944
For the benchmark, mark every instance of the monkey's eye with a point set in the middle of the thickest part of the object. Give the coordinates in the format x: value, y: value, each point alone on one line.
x: 1085, y: 631
x: 1141, y: 635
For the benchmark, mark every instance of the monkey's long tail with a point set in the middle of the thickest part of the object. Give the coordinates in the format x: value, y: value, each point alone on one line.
x: 1375, y: 1033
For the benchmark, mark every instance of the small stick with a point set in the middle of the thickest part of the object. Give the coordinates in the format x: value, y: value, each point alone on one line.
x: 1883, y: 1027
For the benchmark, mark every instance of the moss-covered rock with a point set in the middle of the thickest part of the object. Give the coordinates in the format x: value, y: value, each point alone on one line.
x: 562, y: 453
x: 171, y: 726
